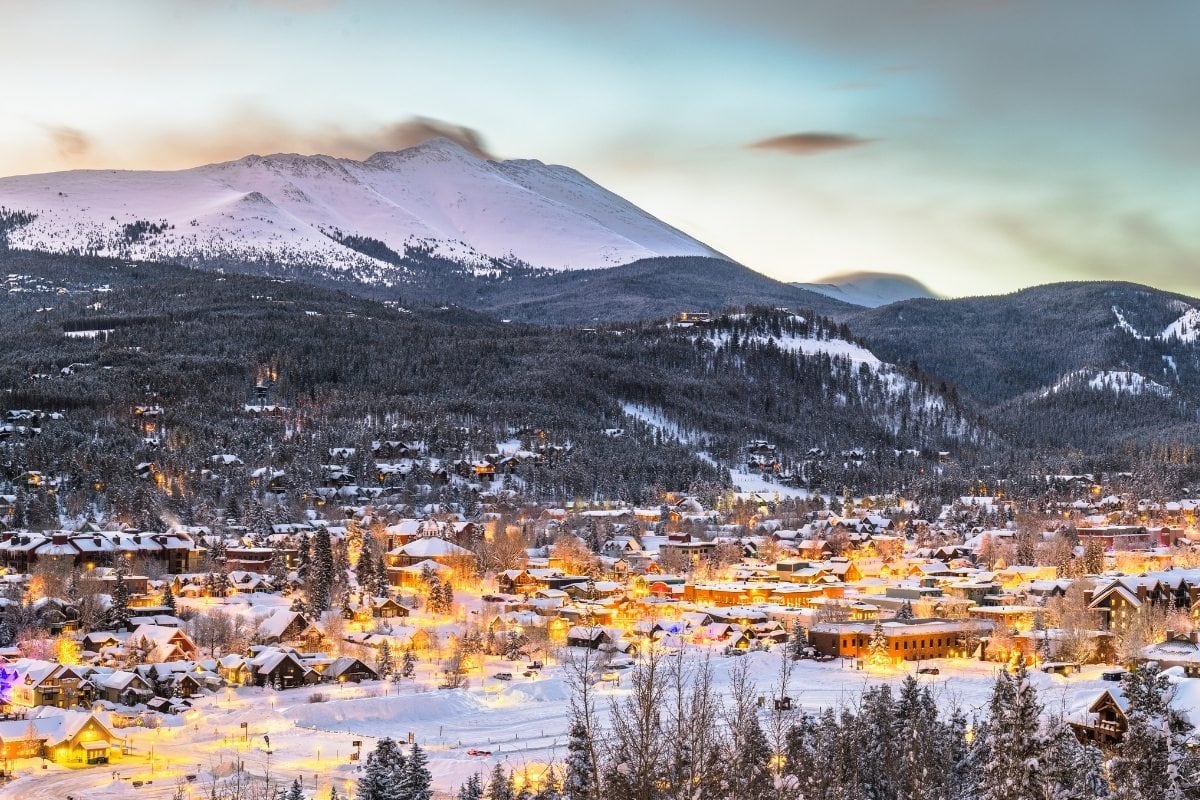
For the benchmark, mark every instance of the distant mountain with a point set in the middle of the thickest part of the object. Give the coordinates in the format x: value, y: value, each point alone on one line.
x: 335, y: 216
x: 869, y: 289
x: 1072, y: 364
x: 648, y: 289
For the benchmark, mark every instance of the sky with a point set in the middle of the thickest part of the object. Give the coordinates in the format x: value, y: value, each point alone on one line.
x: 976, y: 146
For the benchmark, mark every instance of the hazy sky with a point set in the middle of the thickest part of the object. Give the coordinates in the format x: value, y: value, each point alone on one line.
x: 978, y: 146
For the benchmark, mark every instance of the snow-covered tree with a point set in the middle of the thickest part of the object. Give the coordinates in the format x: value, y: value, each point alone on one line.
x: 878, y: 647
x: 416, y: 781
x: 472, y: 789
x: 383, y: 774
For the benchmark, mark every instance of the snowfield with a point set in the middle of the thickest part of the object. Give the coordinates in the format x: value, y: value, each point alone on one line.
x: 1185, y: 329
x: 1116, y: 381
x: 523, y: 724
x: 435, y: 196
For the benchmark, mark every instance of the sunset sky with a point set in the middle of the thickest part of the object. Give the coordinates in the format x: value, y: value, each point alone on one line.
x: 977, y: 146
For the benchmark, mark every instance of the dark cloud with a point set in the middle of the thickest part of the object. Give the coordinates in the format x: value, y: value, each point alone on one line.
x: 71, y: 143
x: 420, y: 129
x: 810, y: 143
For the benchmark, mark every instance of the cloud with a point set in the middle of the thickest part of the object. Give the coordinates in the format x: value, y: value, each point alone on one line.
x: 420, y: 129
x: 246, y: 130
x: 71, y: 143
x: 809, y: 143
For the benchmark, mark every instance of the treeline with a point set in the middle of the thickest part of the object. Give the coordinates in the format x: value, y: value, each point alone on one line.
x: 675, y: 737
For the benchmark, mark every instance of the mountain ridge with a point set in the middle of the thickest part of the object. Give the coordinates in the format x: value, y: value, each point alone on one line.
x: 435, y: 197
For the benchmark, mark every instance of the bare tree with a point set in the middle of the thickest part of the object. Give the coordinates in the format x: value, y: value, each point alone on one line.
x: 637, y: 743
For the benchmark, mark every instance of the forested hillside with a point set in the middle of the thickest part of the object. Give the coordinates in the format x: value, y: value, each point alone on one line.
x: 93, y: 339
x: 1089, y: 366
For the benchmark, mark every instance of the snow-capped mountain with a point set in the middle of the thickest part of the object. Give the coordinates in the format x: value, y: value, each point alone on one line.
x: 435, y: 198
x: 870, y: 289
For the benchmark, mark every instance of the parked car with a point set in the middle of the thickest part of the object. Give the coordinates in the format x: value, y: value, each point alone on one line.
x: 503, y: 676
x: 929, y: 671
x: 475, y: 752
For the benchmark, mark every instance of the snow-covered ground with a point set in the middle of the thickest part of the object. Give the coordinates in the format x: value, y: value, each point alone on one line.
x: 523, y: 723
x: 1116, y: 381
x: 436, y: 196
x: 1185, y: 329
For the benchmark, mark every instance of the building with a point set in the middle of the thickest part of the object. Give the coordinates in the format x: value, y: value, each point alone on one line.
x: 1105, y: 721
x: 907, y: 640
x: 65, y: 737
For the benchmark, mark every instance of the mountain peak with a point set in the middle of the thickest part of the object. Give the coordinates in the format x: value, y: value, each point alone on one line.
x: 438, y: 197
x: 870, y: 289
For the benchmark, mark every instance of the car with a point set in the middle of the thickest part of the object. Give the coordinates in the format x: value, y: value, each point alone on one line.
x: 503, y: 676
x: 475, y: 752
x: 1114, y: 675
x: 529, y: 673
x: 825, y: 658
x: 535, y: 665
x: 929, y: 671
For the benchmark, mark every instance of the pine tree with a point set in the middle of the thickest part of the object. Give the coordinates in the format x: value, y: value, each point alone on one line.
x: 878, y: 647
x: 1093, y: 556
x: 1073, y: 771
x: 905, y: 612
x: 364, y: 572
x: 1016, y: 748
x: 499, y: 785
x: 1142, y: 767
x: 382, y: 584
x: 408, y: 667
x: 168, y: 597
x: 797, y: 643
x: 578, y: 782
x: 304, y: 558
x: 416, y: 783
x: 295, y: 792
x: 277, y: 570
x: 472, y: 789
x: 320, y: 581
x: 386, y: 666
x: 384, y: 772
x: 117, y: 618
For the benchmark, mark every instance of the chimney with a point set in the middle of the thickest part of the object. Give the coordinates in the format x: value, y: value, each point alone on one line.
x: 59, y: 537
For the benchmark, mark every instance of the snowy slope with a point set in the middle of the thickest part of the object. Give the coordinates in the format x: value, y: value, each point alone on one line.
x: 435, y: 196
x: 869, y: 289
x: 1115, y: 381
x: 1185, y: 329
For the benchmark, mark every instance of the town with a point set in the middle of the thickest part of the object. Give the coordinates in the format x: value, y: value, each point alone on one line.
x: 280, y: 649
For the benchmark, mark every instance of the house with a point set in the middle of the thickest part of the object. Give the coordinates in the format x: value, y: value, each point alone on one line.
x: 590, y: 637
x: 1105, y: 720
x: 162, y: 643
x: 44, y: 683
x: 65, y: 737
x: 431, y: 548
x: 348, y: 670
x: 289, y: 626
x: 124, y: 688
x: 1176, y: 650
x: 280, y: 669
